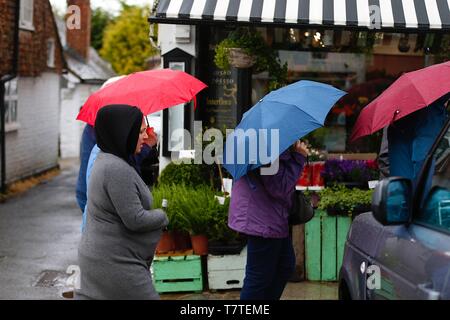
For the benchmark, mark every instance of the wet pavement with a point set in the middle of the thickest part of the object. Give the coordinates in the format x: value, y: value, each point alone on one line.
x: 39, y: 236
x: 305, y: 290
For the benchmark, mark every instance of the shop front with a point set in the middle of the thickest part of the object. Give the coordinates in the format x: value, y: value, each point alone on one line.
x: 243, y: 49
x: 359, y: 46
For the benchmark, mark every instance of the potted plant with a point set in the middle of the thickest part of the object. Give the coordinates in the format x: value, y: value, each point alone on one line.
x: 194, y: 207
x: 245, y: 48
x: 350, y: 173
x: 176, y: 237
x: 339, y: 200
x: 222, y: 239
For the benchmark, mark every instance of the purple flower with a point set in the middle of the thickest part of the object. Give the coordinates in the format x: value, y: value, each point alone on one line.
x: 347, y: 170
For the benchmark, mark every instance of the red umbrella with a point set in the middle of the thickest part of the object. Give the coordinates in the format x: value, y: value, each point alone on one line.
x: 411, y: 92
x: 150, y: 91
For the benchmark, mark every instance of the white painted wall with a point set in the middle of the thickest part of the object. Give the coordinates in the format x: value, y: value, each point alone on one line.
x: 167, y: 38
x: 72, y: 99
x: 33, y: 147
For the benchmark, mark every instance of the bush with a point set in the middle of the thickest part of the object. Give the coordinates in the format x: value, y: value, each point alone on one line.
x: 344, y: 200
x: 190, y: 175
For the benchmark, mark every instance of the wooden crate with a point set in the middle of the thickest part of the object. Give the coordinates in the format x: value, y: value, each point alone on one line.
x: 227, y: 271
x: 325, y: 238
x: 178, y: 274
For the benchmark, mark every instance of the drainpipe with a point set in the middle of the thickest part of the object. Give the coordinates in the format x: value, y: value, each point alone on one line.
x: 3, y: 80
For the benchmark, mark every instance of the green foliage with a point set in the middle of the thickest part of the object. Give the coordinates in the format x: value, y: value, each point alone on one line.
x: 219, y: 230
x: 195, y: 210
x: 99, y: 21
x: 343, y: 199
x: 126, y: 42
x: 191, y: 175
x: 254, y: 45
x: 168, y: 193
x: 443, y: 54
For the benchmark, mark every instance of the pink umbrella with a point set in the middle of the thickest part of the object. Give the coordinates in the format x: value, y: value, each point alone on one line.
x: 412, y: 91
x: 150, y: 91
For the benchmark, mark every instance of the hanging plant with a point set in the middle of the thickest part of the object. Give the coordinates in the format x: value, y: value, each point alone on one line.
x: 245, y: 47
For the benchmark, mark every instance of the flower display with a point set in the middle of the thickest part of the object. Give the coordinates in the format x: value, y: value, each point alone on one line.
x: 349, y: 171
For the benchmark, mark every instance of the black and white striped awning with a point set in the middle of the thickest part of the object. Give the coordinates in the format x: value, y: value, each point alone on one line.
x: 384, y: 14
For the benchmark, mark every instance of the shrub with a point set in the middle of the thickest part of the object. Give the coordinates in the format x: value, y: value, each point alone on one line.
x: 344, y: 200
x: 190, y: 175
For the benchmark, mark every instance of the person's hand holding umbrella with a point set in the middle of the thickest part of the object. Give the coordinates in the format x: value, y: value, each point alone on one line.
x: 301, y: 147
x: 152, y: 137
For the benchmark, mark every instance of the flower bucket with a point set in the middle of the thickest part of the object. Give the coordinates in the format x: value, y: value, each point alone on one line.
x: 305, y: 178
x: 182, y: 240
x: 199, y: 244
x: 166, y: 243
x: 238, y: 58
x: 317, y: 179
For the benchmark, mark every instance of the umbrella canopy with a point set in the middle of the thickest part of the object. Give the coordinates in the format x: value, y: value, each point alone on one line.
x: 411, y: 92
x: 150, y: 91
x: 286, y: 114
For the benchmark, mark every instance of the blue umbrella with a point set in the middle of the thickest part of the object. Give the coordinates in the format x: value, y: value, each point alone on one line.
x: 287, y: 115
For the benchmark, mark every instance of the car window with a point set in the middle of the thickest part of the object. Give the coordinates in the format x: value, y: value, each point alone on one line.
x: 435, y: 209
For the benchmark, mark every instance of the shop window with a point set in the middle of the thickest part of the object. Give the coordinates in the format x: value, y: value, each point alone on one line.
x: 362, y: 63
x: 26, y: 14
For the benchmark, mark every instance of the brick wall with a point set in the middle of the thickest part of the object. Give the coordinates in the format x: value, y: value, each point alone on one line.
x: 33, y: 44
x: 7, y: 9
x: 80, y: 39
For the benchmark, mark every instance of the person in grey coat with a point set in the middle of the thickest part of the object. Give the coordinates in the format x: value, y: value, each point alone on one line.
x: 122, y: 231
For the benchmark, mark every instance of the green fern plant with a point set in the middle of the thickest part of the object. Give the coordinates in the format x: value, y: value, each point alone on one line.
x: 252, y: 42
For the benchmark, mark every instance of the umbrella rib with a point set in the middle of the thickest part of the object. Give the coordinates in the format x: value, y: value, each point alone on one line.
x: 293, y: 105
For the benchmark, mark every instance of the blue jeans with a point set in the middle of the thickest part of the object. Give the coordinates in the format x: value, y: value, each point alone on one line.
x: 270, y: 264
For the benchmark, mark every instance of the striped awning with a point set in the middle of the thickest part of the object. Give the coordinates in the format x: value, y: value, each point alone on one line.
x: 373, y: 14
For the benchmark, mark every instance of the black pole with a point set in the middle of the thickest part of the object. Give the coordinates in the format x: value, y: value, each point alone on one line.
x: 244, y: 91
x: 2, y: 136
x: 3, y: 80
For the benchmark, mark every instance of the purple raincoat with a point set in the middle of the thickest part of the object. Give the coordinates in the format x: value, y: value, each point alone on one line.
x: 259, y: 206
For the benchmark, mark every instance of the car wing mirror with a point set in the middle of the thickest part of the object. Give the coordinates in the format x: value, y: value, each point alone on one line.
x: 392, y: 201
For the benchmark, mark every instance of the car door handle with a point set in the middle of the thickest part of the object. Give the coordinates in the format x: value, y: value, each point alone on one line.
x: 430, y: 293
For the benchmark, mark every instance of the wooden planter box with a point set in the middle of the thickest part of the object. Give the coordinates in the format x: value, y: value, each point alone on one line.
x: 178, y: 274
x: 325, y: 238
x: 227, y: 271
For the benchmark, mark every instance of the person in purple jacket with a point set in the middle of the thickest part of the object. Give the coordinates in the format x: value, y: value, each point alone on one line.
x: 259, y: 209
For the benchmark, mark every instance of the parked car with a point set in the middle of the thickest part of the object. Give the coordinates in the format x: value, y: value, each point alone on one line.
x: 401, y: 250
